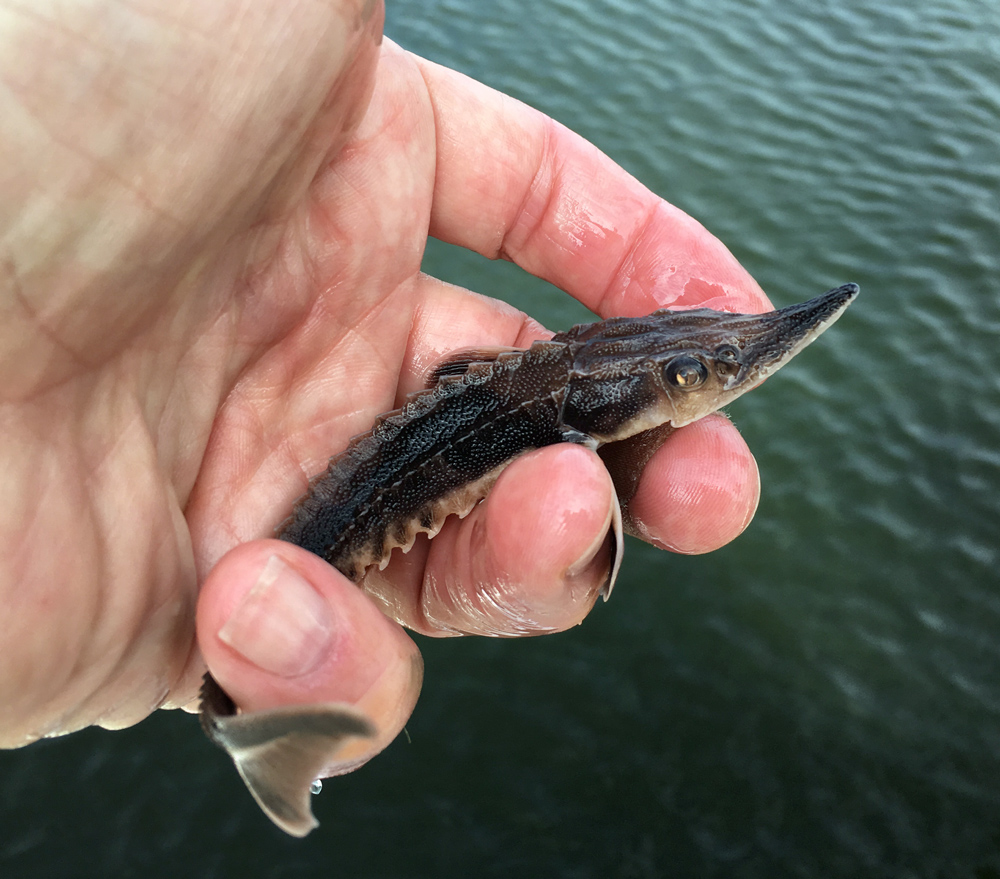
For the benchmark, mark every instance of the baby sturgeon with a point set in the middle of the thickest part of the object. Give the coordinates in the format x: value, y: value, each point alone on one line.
x: 619, y: 386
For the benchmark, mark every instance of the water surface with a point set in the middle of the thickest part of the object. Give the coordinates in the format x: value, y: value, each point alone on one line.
x: 819, y: 699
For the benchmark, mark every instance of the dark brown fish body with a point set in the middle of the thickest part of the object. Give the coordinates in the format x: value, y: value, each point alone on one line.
x: 620, y: 386
x: 438, y: 451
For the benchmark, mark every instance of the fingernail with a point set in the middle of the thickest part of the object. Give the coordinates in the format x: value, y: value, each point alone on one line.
x: 282, y: 625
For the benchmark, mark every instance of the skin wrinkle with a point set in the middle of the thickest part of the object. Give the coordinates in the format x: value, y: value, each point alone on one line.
x: 144, y: 693
x: 183, y: 673
x: 491, y: 610
x: 320, y: 225
x: 435, y: 119
x: 313, y: 324
x: 110, y: 609
x: 402, y: 369
x: 513, y: 224
x: 27, y: 515
x: 52, y: 674
x: 437, y: 601
x: 519, y: 600
x: 605, y: 304
x: 499, y: 250
x: 358, y: 323
x: 93, y: 160
x: 608, y: 301
x: 179, y: 449
x: 573, y: 218
x: 187, y: 28
x: 353, y: 346
x: 34, y: 318
x: 419, y: 366
x: 495, y: 608
x: 112, y: 718
x: 54, y: 23
x: 110, y: 171
x: 436, y: 333
x: 243, y: 438
x: 711, y: 491
x: 84, y: 35
x: 500, y: 596
x: 140, y: 693
x: 144, y: 321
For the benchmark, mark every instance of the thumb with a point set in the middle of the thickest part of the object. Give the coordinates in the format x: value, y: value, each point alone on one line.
x: 278, y: 626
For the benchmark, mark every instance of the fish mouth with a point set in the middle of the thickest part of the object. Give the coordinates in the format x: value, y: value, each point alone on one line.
x: 776, y: 337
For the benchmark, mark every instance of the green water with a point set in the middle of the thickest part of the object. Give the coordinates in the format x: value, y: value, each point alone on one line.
x: 822, y: 697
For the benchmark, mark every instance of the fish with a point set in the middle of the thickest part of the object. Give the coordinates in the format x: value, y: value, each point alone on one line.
x: 619, y: 386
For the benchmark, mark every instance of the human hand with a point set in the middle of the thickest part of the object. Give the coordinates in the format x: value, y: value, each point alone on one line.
x: 211, y: 280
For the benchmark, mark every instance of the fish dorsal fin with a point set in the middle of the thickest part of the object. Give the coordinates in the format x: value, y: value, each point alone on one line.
x: 280, y: 753
x: 458, y: 362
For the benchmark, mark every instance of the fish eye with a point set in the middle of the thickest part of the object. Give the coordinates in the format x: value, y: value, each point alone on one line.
x: 727, y: 354
x: 685, y: 372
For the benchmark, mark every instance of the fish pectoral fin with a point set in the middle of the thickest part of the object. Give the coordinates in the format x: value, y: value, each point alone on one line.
x: 458, y: 362
x: 571, y: 435
x: 618, y: 549
x: 280, y: 753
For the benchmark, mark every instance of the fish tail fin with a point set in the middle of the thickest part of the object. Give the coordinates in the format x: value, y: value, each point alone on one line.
x: 279, y: 753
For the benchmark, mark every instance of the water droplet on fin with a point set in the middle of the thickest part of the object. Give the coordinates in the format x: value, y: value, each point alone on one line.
x: 316, y: 786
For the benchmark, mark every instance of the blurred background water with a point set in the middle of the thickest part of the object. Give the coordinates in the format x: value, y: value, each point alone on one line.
x: 818, y: 699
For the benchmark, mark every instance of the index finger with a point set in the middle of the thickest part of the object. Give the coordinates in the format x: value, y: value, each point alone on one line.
x: 512, y: 183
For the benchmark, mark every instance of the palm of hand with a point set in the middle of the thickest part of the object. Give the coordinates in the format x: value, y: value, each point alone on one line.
x: 172, y: 383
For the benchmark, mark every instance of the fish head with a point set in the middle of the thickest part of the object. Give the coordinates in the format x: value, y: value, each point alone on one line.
x: 675, y: 367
